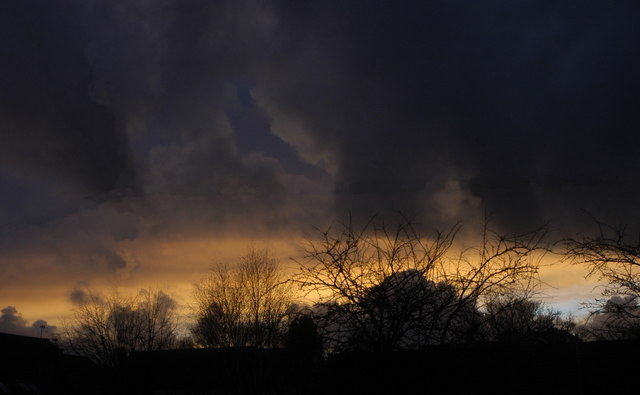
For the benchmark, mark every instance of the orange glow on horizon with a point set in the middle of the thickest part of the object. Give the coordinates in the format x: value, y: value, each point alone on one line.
x: 176, y: 265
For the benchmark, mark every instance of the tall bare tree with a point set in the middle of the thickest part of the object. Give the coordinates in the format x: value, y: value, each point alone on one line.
x: 108, y: 329
x: 387, y: 287
x: 243, y: 305
x: 370, y: 280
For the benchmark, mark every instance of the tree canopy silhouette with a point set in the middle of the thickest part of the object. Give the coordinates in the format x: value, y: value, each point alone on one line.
x: 243, y: 305
x: 518, y: 318
x: 386, y: 287
x: 108, y: 329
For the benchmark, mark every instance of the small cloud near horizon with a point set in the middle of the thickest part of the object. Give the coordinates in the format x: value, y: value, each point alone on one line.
x: 11, y: 321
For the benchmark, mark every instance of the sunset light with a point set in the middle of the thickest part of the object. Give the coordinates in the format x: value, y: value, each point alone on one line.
x: 270, y: 182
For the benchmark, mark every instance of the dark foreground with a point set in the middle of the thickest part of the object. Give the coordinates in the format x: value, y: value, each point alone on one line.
x: 30, y: 365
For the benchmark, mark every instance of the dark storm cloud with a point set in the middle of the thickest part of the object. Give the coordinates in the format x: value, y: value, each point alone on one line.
x: 527, y: 105
x: 49, y: 122
x: 144, y: 105
x: 179, y: 117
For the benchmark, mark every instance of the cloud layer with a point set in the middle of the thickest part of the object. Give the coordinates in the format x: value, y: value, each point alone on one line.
x: 173, y: 120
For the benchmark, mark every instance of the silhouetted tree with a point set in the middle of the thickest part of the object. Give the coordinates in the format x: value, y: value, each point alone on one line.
x: 612, y: 256
x: 245, y: 305
x: 107, y: 330
x: 404, y: 311
x: 363, y: 278
x: 517, y: 318
x: 387, y: 288
x: 617, y: 319
x: 502, y: 264
x: 303, y: 339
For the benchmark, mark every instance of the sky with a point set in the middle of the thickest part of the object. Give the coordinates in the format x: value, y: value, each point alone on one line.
x: 141, y: 141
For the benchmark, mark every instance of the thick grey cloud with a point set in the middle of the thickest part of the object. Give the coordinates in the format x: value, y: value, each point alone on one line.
x: 526, y: 105
x: 50, y: 122
x: 145, y: 110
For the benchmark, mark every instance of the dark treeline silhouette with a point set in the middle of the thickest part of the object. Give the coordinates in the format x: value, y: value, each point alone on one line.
x: 395, y: 311
x: 31, y: 365
x: 378, y: 287
x: 561, y: 368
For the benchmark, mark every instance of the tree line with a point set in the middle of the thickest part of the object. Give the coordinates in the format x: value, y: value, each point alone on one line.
x: 378, y: 287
